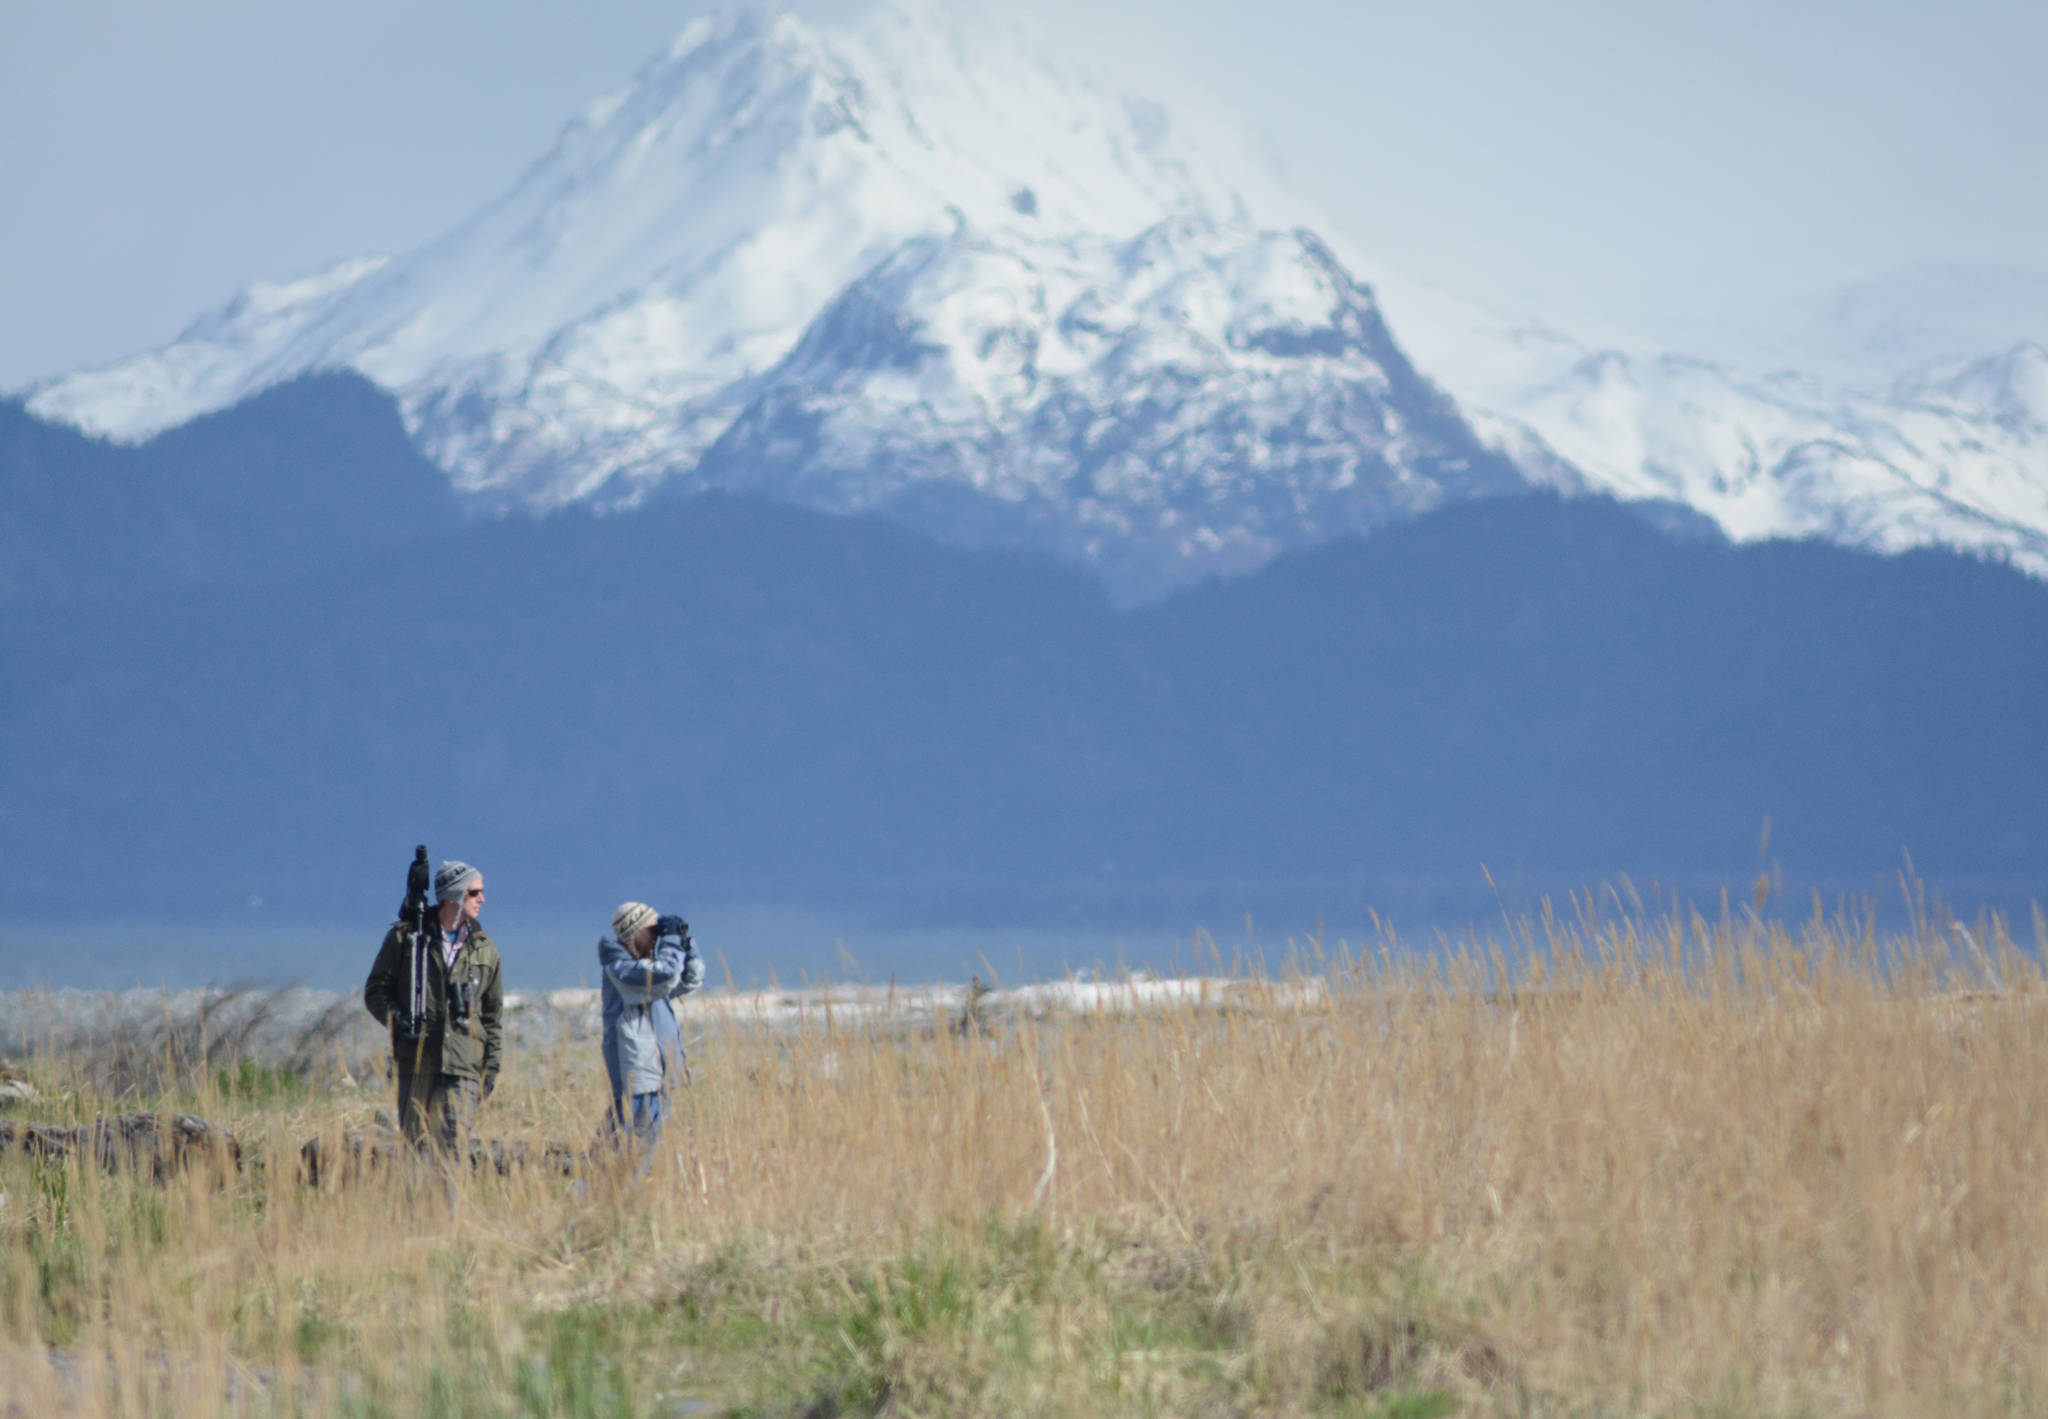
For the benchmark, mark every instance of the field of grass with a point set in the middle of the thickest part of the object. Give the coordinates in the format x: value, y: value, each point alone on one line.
x: 1619, y: 1166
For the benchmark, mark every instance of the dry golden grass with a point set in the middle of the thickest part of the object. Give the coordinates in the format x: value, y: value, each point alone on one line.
x: 1684, y: 1168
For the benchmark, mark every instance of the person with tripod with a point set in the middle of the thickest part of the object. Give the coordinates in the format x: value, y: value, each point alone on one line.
x: 438, y: 987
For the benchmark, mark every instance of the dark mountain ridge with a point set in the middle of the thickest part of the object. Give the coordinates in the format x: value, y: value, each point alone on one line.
x: 726, y: 696
x: 314, y: 469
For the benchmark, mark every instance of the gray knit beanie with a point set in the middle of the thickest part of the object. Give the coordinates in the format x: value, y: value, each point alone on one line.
x: 629, y: 918
x: 450, y: 878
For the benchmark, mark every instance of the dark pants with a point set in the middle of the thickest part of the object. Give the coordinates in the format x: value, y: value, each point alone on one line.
x: 440, y: 1106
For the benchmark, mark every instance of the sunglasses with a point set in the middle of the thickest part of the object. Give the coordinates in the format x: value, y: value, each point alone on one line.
x: 474, y: 892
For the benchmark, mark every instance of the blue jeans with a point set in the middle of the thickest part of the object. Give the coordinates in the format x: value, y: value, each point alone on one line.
x: 643, y: 1127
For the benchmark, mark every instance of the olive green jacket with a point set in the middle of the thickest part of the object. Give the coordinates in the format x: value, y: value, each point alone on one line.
x: 471, y: 1049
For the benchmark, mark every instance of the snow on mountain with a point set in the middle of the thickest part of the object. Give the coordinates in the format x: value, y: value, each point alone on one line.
x: 1197, y: 397
x: 1786, y: 455
x: 1870, y: 333
x: 1894, y: 325
x: 1955, y: 454
x: 682, y: 232
x: 913, y: 264
x: 2011, y: 388
x: 874, y: 266
x: 219, y: 359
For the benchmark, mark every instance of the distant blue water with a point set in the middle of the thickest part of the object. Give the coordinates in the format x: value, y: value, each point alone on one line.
x: 1188, y: 930
x: 750, y: 947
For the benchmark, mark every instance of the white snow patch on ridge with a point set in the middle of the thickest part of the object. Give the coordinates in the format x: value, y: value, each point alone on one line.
x: 1957, y: 464
x: 219, y: 359
x: 1955, y: 455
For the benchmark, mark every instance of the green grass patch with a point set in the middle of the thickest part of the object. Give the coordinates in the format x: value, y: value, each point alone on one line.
x: 999, y: 1319
x: 249, y: 1082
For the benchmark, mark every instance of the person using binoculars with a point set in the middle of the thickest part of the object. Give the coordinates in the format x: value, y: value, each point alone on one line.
x: 647, y: 961
x: 445, y: 1019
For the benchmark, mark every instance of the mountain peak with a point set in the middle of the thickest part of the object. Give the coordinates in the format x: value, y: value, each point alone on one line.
x: 681, y: 232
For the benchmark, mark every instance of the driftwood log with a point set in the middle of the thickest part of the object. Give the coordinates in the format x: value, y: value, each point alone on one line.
x: 159, y: 1144
x: 357, y: 1152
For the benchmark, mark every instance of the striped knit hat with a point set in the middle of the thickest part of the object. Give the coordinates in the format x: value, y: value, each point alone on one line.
x: 629, y: 918
x: 450, y: 878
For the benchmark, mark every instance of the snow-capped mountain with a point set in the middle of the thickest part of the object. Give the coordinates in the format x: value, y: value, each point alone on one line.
x: 1960, y: 460
x: 914, y: 264
x: 1193, y: 397
x: 899, y: 264
x: 1954, y: 454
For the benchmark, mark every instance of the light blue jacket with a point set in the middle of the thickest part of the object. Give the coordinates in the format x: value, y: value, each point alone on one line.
x: 637, y: 1017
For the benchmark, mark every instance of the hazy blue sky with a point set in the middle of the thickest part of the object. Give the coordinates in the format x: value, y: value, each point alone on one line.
x: 1604, y: 164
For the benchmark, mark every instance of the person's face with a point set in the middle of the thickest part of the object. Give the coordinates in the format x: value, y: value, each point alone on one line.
x: 642, y: 944
x: 473, y: 900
